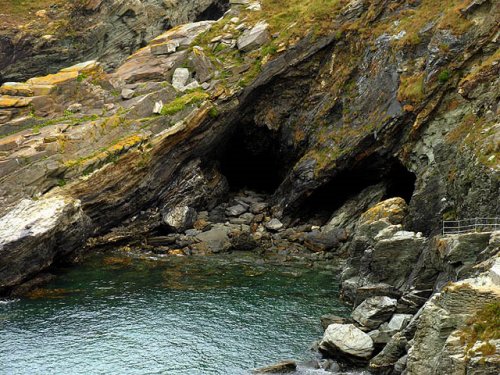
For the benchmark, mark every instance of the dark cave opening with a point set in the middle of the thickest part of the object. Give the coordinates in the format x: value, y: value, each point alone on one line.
x: 252, y: 158
x: 397, y: 180
x: 214, y: 11
x: 400, y: 182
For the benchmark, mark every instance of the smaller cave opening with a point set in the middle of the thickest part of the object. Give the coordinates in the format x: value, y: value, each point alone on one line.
x: 400, y: 182
x: 214, y: 11
x: 395, y: 179
x: 252, y: 158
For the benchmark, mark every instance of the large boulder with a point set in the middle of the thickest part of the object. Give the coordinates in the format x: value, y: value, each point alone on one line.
x: 394, y: 257
x: 179, y: 218
x: 324, y: 241
x: 180, y: 78
x: 215, y: 240
x: 347, y: 342
x: 386, y: 331
x: 393, y: 210
x: 374, y: 311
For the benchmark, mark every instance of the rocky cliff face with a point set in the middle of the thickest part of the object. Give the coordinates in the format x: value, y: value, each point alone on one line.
x: 106, y: 30
x: 372, y: 122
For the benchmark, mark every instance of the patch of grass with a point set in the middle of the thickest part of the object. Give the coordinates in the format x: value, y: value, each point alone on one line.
x: 298, y: 17
x: 444, y: 76
x: 413, y: 16
x: 484, y: 326
x: 22, y: 10
x: 182, y: 102
x: 478, y: 135
x: 81, y: 77
x: 213, y: 112
x: 411, y: 89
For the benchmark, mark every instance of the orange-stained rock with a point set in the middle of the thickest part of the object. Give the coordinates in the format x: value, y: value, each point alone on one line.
x: 16, y: 89
x: 393, y: 209
x: 54, y: 79
x: 42, y: 90
x: 7, y: 101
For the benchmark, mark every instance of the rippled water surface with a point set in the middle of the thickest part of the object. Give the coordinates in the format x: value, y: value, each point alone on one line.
x: 180, y: 316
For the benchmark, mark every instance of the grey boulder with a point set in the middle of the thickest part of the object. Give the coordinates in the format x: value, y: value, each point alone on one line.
x: 347, y: 342
x: 179, y: 218
x: 254, y: 38
x: 374, y: 311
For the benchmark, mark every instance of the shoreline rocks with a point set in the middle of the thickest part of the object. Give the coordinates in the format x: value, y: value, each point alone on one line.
x: 347, y: 342
x: 374, y: 311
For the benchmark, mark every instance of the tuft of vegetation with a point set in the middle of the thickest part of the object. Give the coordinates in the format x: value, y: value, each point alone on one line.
x: 411, y: 89
x: 444, y: 76
x: 411, y: 17
x: 213, y: 112
x: 182, y: 102
x: 478, y: 135
x: 81, y: 77
x: 484, y: 326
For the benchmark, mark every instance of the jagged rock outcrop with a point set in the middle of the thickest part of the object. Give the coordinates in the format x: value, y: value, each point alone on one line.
x: 447, y: 340
x: 35, y: 233
x: 108, y: 30
x: 374, y: 133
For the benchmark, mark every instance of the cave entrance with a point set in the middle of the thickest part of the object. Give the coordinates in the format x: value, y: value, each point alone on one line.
x: 395, y: 179
x: 252, y: 158
x: 214, y: 11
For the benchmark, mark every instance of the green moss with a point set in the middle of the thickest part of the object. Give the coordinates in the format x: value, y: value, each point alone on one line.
x: 444, y: 76
x: 484, y: 326
x: 411, y: 89
x: 81, y: 77
x: 213, y: 112
x: 478, y: 135
x: 182, y: 102
x: 270, y: 49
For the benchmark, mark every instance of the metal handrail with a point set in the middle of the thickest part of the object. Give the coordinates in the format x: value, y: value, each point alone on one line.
x: 478, y: 224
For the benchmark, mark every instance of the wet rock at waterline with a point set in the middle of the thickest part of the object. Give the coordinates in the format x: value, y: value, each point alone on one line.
x: 325, y: 241
x: 35, y: 233
x: 328, y: 319
x: 283, y: 367
x: 214, y: 240
x: 347, y: 342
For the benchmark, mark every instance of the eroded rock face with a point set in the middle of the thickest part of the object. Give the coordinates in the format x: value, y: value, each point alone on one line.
x: 34, y: 233
x: 437, y: 347
x: 106, y: 30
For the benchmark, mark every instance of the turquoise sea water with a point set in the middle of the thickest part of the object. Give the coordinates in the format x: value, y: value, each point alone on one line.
x: 113, y: 315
